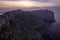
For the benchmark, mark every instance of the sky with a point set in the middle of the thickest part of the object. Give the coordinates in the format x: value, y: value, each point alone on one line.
x: 28, y: 4
x: 23, y: 4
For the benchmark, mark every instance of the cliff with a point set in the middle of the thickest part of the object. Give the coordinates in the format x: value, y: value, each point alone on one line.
x: 26, y: 25
x: 45, y: 14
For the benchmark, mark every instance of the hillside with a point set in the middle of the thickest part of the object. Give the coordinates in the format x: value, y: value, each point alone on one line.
x: 25, y: 25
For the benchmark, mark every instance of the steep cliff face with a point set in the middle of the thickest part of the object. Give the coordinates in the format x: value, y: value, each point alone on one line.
x: 25, y: 25
x: 3, y: 19
x: 45, y: 14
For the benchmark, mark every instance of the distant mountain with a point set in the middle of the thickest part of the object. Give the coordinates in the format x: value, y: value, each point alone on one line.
x: 26, y: 25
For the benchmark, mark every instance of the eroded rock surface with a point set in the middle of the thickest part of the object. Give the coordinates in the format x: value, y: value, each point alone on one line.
x: 26, y: 25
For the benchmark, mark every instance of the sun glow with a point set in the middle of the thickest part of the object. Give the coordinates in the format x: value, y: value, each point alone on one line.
x: 24, y: 4
x: 25, y: 0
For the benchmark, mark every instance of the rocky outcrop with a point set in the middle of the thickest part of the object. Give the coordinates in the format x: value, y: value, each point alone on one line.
x: 25, y: 25
x: 3, y: 20
x: 45, y: 14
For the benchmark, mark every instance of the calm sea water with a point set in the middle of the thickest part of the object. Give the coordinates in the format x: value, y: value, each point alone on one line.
x: 56, y: 30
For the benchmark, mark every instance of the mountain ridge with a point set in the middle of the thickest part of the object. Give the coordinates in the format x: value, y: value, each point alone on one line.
x: 25, y: 25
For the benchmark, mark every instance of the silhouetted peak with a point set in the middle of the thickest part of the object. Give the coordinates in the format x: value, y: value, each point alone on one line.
x: 45, y: 14
x: 27, y: 25
x: 13, y: 12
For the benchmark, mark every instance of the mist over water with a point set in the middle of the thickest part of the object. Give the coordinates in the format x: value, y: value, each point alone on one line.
x: 56, y: 25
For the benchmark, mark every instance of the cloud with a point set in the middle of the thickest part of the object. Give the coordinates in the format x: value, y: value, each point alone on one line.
x: 10, y: 4
x: 15, y: 0
x: 56, y: 2
x: 24, y: 4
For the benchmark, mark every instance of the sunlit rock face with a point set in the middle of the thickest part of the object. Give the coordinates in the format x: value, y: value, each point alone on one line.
x: 28, y: 25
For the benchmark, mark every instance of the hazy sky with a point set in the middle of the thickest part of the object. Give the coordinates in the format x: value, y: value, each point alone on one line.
x: 25, y: 4
x: 28, y: 4
x: 12, y: 4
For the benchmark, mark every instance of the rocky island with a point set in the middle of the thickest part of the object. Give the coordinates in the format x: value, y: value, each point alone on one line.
x: 26, y: 25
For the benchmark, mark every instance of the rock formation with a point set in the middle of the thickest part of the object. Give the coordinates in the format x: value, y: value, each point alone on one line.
x: 26, y: 25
